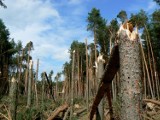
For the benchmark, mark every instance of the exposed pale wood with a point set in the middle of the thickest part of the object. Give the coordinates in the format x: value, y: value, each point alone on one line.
x: 80, y: 111
x: 109, y: 73
x: 29, y: 84
x: 13, y: 99
x: 57, y: 111
x: 152, y: 101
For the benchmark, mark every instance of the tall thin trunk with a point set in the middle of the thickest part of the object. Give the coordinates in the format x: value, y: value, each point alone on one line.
x: 144, y: 80
x: 72, y: 85
x: 148, y: 76
x: 79, y: 86
x: 29, y: 85
x: 36, y: 82
x: 130, y: 76
x: 27, y: 72
x: 151, y: 69
x: 20, y: 70
x: 13, y: 98
x: 154, y: 63
x: 87, y: 82
x: 43, y: 92
x: 100, y: 71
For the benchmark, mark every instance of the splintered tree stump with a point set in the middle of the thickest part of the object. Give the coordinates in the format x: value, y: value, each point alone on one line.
x: 108, y: 75
x: 130, y: 74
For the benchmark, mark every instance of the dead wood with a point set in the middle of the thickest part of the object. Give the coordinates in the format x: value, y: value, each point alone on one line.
x: 109, y: 73
x: 152, y: 101
x: 50, y: 86
x: 57, y: 111
x: 80, y: 111
x: 66, y: 114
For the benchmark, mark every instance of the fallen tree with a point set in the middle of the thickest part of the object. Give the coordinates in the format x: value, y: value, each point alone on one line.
x: 57, y: 111
x: 109, y: 73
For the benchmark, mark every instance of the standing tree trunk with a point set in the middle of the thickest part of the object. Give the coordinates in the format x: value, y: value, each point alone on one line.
x: 43, y: 85
x: 36, y: 82
x: 72, y: 85
x: 130, y: 75
x: 13, y: 98
x: 27, y: 71
x: 100, y: 71
x: 87, y: 82
x: 29, y: 85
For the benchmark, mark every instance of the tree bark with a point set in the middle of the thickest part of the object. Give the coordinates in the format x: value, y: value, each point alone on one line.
x: 108, y: 75
x: 130, y: 76
x: 100, y: 70
x: 36, y: 82
x: 57, y: 111
x: 72, y: 85
x: 13, y: 98
x: 87, y: 82
x: 29, y: 85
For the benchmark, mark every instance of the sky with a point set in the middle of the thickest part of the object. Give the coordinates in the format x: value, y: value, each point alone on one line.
x: 52, y: 25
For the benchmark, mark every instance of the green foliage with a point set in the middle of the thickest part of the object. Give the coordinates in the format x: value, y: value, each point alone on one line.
x: 122, y: 15
x: 2, y: 4
x: 95, y: 21
x: 157, y: 1
x: 97, y: 25
x: 139, y: 19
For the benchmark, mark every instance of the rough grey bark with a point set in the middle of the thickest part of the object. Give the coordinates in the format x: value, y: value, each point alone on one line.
x: 43, y: 83
x: 13, y: 98
x: 36, y: 82
x: 29, y: 85
x: 87, y: 82
x: 27, y: 72
x: 72, y: 85
x: 130, y: 76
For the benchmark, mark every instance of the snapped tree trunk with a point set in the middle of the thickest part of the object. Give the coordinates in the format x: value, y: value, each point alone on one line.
x: 29, y: 85
x: 13, y: 98
x: 130, y: 75
x: 100, y: 70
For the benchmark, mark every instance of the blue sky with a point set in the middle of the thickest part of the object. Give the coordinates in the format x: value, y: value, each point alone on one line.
x: 52, y: 25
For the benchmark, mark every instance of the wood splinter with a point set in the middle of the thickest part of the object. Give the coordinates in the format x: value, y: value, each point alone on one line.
x: 131, y: 33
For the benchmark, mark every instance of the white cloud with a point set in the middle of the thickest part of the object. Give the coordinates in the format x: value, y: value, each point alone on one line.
x: 42, y: 23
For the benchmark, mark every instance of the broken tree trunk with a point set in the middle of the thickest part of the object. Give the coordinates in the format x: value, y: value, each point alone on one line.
x: 66, y: 114
x: 108, y: 75
x: 29, y: 85
x: 100, y: 70
x: 50, y: 86
x: 57, y: 111
x: 152, y: 101
x: 13, y: 98
x: 130, y: 74
x: 80, y: 111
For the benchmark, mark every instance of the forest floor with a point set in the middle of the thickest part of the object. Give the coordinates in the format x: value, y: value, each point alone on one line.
x: 151, y: 110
